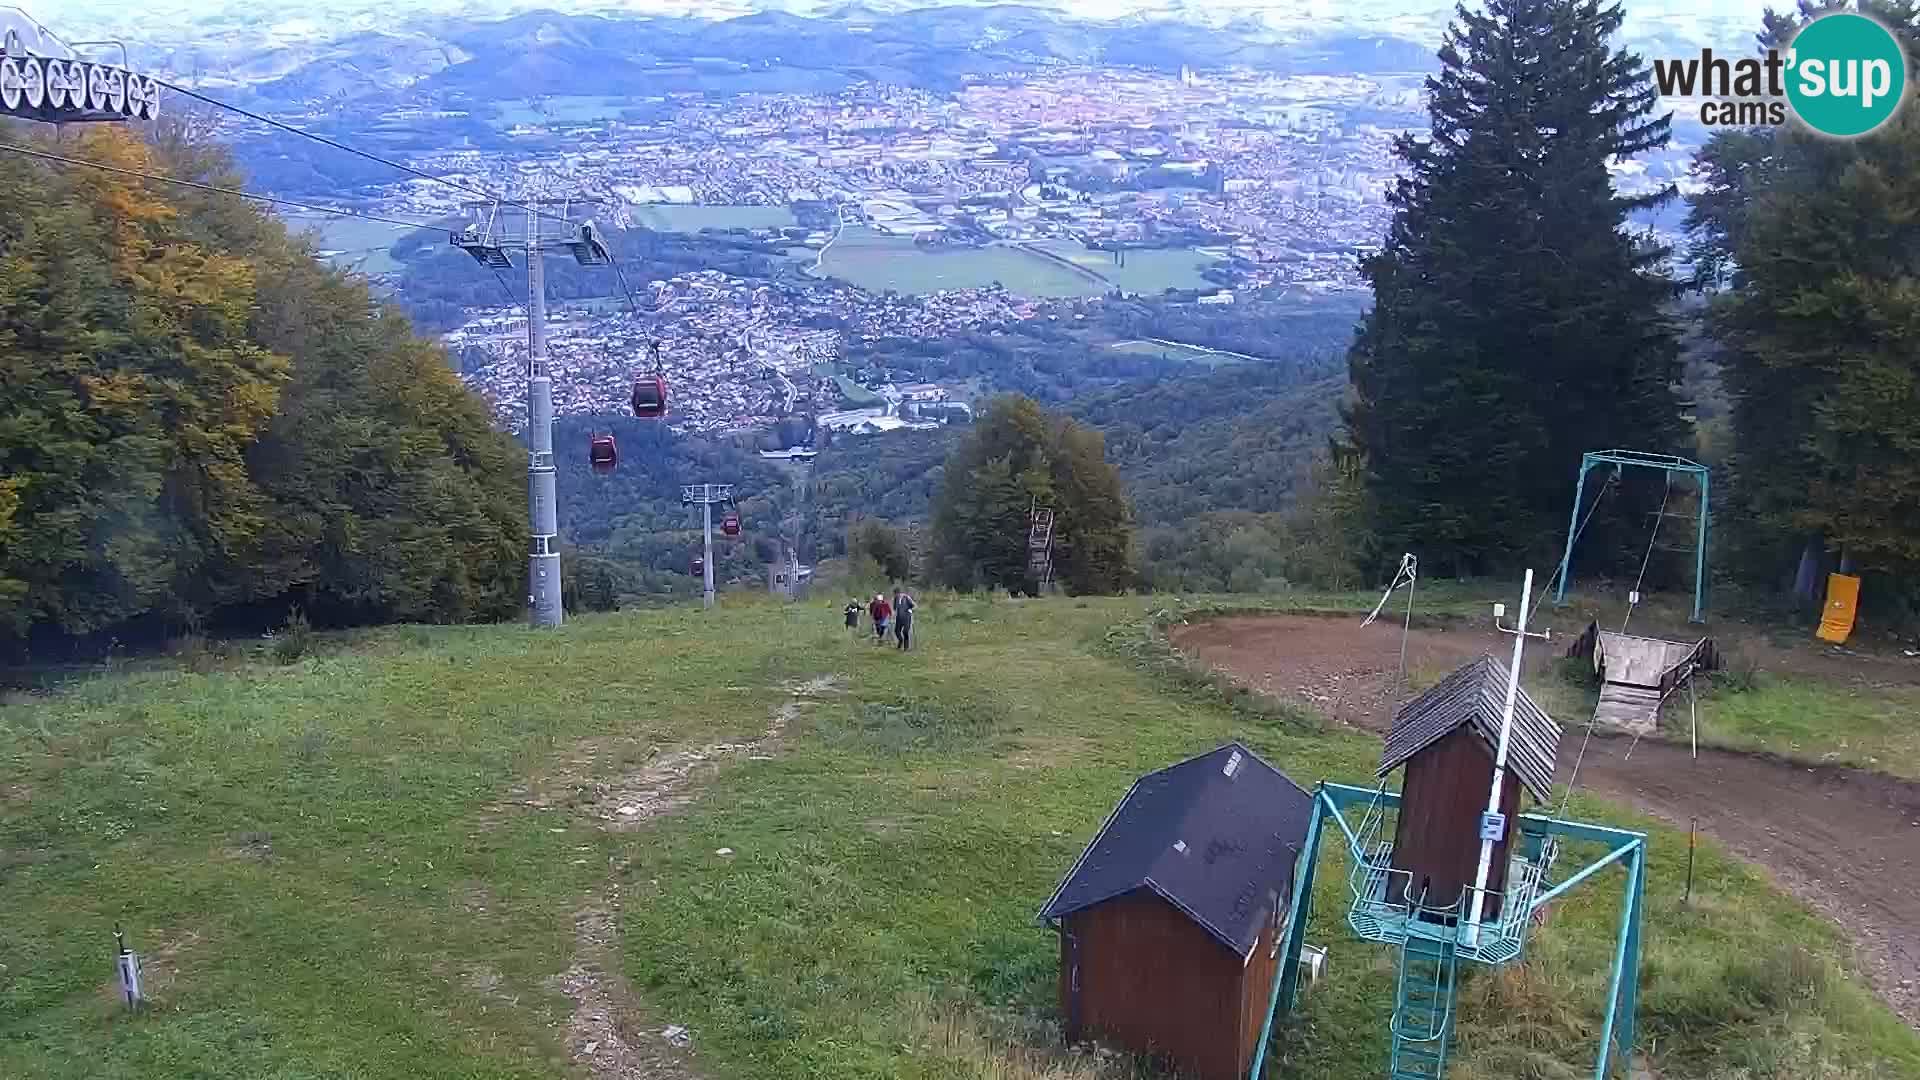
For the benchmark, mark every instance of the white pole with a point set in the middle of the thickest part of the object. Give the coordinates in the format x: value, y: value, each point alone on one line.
x: 543, y: 558
x: 706, y: 521
x: 1487, y: 839
x: 1693, y: 717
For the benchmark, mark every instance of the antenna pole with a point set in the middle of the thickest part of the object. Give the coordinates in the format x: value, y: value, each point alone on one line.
x: 543, y: 558
x: 1492, y: 823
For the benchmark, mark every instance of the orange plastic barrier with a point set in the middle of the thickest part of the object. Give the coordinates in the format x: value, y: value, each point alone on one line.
x: 1843, y: 599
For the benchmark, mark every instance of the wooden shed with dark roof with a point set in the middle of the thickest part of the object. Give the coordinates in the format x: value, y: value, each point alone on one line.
x: 1447, y: 738
x: 1170, y: 921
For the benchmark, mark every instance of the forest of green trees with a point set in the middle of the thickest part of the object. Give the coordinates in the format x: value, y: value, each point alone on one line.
x: 1016, y: 458
x: 201, y: 423
x: 1519, y: 322
x: 1056, y: 364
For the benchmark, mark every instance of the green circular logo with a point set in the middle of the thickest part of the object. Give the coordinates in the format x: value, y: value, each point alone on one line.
x: 1846, y: 74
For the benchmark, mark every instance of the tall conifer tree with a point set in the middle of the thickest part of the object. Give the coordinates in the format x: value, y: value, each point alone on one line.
x: 1818, y: 240
x: 1517, y: 320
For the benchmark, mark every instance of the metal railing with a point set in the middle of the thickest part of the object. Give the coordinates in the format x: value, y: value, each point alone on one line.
x: 1386, y: 909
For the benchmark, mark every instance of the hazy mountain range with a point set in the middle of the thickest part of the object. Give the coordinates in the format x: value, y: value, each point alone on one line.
x: 442, y: 58
x: 233, y: 28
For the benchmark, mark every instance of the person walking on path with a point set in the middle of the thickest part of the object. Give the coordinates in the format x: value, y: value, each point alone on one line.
x: 853, y: 618
x: 880, y: 611
x: 903, y: 619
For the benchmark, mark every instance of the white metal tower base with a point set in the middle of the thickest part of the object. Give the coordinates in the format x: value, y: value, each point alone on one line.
x: 543, y: 560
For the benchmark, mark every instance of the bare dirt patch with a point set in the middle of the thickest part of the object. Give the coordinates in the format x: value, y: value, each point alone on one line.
x: 818, y: 686
x: 673, y: 780
x: 252, y: 846
x: 665, y: 782
x: 1333, y: 664
x: 1844, y: 841
x: 610, y: 1032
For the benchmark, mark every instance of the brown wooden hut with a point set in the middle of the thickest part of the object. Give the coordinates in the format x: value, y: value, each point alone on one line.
x: 1170, y: 922
x: 1448, y: 738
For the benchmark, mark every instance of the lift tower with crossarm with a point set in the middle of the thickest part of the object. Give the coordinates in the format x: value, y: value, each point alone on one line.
x: 490, y: 239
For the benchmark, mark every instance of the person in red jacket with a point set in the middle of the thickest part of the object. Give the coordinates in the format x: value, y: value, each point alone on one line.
x: 880, y: 611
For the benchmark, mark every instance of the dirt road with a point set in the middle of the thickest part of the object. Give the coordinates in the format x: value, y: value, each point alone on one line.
x: 1844, y: 841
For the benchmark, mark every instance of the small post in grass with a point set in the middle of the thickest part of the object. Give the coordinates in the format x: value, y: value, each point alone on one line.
x: 1691, y: 822
x: 129, y: 968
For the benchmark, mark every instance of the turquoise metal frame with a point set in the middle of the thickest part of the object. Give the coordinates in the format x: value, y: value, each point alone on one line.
x: 1668, y: 463
x: 1623, y: 846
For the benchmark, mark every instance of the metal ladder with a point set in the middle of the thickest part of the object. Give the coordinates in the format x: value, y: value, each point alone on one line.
x: 1423, y: 1004
x: 1040, y: 547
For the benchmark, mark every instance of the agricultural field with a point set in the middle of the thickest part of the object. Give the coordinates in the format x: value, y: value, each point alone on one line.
x: 876, y: 262
x: 498, y: 852
x: 672, y: 217
x: 1147, y: 270
x: 855, y: 395
x: 361, y: 244
x: 1175, y: 353
x: 578, y: 109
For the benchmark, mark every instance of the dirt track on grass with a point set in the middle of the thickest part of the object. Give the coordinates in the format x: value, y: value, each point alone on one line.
x: 1845, y: 841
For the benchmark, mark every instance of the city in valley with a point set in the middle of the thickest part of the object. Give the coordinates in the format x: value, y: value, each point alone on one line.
x: 777, y: 243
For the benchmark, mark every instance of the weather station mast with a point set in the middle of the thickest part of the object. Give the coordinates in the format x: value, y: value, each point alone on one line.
x: 489, y: 238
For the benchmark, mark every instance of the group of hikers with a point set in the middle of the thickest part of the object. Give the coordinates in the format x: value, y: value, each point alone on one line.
x: 898, y: 613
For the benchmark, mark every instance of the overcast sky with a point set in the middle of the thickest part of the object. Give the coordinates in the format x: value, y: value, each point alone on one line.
x: 75, y: 18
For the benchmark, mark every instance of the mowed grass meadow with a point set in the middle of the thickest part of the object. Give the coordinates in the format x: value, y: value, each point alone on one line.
x: 362, y: 244
x: 365, y: 862
x: 877, y: 261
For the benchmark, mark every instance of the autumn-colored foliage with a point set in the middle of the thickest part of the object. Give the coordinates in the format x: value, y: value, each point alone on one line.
x: 195, y: 414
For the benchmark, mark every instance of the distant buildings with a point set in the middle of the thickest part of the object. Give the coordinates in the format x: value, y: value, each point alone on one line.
x: 920, y: 406
x: 1283, y: 178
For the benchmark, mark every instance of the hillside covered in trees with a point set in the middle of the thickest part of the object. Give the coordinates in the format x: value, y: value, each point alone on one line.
x: 201, y: 423
x: 1239, y: 438
x: 1521, y: 321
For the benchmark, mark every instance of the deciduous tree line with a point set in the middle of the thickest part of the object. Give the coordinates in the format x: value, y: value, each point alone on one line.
x: 198, y: 417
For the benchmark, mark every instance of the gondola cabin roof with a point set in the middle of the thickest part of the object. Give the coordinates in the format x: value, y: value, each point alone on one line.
x: 1475, y: 695
x: 1212, y: 836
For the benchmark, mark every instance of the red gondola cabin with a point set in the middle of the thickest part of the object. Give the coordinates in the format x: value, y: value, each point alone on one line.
x: 602, y: 453
x: 730, y: 524
x: 1170, y: 922
x: 650, y: 397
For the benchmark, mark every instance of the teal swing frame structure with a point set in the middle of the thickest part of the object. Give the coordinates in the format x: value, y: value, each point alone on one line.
x: 1424, y: 938
x: 1668, y: 463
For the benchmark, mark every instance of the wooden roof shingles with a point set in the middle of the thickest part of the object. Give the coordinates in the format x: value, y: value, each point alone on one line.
x: 1475, y: 695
